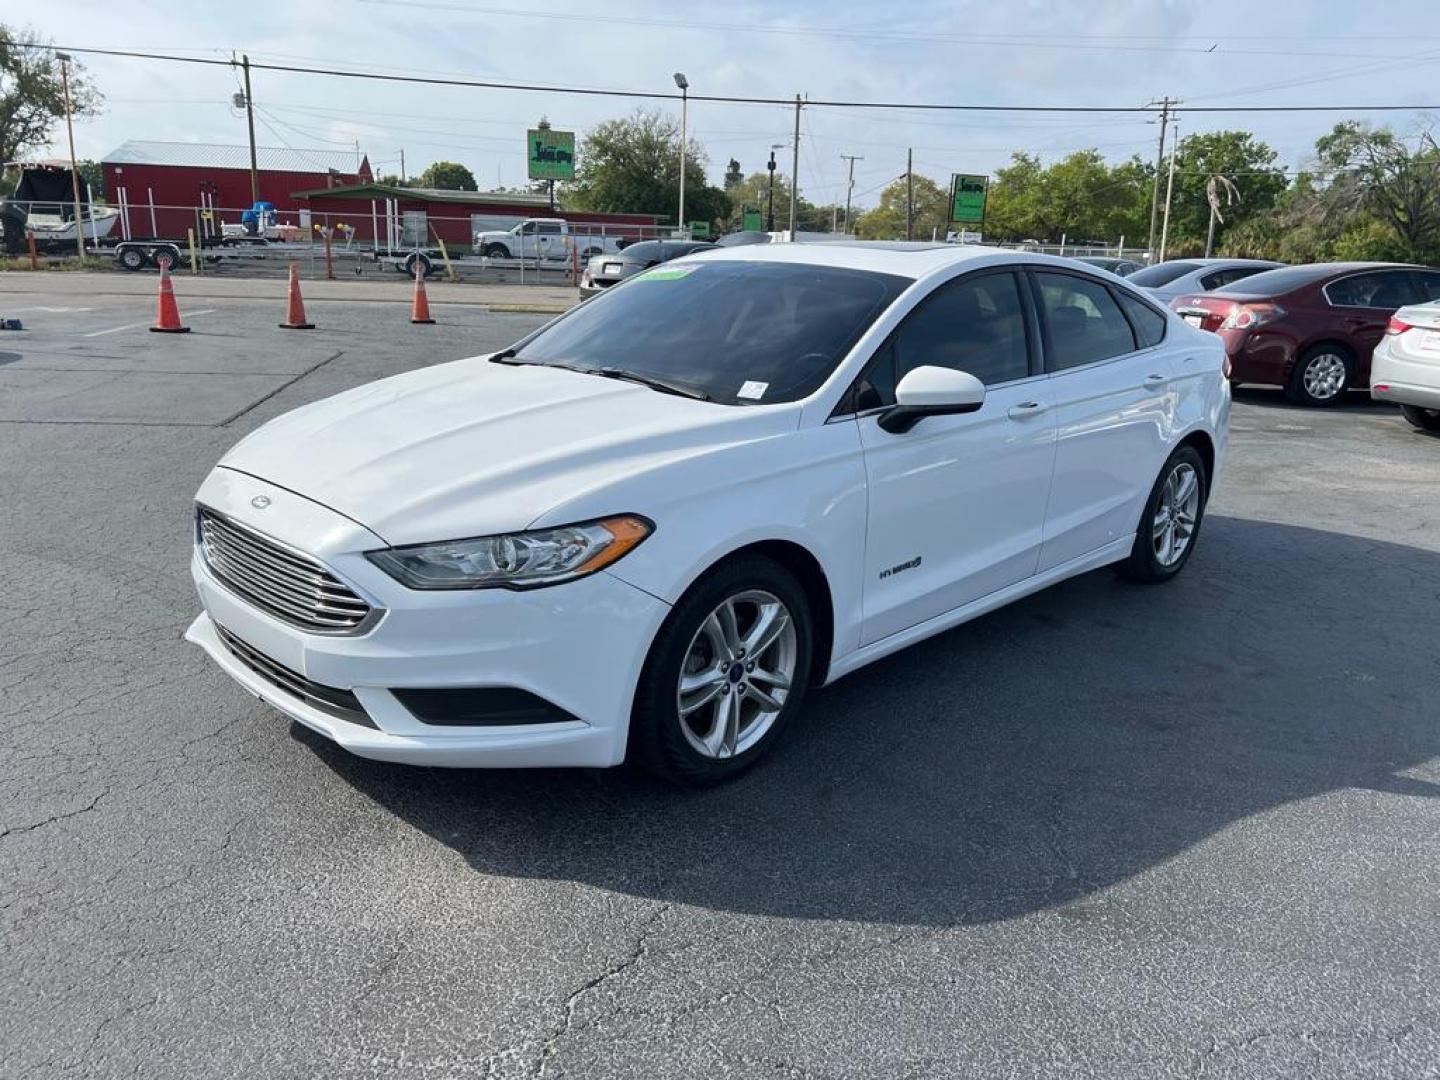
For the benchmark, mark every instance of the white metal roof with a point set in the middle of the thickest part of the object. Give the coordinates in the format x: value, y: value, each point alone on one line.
x: 210, y: 155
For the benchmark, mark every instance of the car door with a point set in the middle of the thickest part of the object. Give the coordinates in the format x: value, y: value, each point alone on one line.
x: 956, y: 505
x: 1110, y: 383
x: 1363, y: 304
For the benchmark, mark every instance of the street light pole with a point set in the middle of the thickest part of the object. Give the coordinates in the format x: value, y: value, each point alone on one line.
x: 64, y: 59
x: 770, y: 200
x: 795, y: 169
x: 684, y: 85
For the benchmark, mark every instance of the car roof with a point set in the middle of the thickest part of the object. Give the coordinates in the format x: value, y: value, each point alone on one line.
x: 912, y: 260
x: 1305, y: 275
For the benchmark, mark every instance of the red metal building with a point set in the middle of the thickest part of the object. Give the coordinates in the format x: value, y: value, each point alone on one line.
x: 423, y: 214
x: 179, y: 179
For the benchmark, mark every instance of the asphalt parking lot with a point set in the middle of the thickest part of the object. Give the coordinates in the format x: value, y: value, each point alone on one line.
x: 1109, y: 831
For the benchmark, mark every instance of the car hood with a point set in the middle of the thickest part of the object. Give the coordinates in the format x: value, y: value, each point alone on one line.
x: 472, y: 448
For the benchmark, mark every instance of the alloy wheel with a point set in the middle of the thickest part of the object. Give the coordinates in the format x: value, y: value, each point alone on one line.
x: 1324, y: 376
x: 737, y: 674
x: 1174, y: 523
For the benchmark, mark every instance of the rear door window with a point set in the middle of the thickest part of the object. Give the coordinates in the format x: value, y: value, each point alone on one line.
x: 1382, y: 289
x: 1429, y: 284
x: 1083, y: 321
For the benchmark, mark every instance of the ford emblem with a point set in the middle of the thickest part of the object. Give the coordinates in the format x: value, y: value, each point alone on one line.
x: 260, y: 502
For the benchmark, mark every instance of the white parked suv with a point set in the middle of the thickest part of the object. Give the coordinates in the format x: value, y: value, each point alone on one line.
x: 1405, y: 368
x: 651, y: 525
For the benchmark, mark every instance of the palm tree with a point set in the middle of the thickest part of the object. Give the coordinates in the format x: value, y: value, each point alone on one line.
x: 1215, y: 183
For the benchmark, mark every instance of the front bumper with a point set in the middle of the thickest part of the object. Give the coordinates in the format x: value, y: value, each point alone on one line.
x: 578, y: 646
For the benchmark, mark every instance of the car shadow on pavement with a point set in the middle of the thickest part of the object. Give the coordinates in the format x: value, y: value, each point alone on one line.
x: 1024, y: 761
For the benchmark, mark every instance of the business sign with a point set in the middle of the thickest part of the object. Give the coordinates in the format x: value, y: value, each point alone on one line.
x: 550, y: 154
x: 700, y: 230
x: 752, y: 220
x: 967, y: 198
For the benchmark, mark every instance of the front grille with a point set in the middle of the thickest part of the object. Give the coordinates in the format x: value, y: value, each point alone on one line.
x: 341, y: 704
x: 293, y: 587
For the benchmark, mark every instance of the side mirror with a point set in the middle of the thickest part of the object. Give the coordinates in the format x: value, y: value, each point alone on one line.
x: 932, y: 391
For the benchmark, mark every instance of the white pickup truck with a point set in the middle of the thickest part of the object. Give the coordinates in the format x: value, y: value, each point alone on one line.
x: 544, y: 238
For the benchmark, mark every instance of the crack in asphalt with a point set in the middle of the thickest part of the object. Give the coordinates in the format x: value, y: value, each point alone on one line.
x: 613, y: 971
x: 93, y: 803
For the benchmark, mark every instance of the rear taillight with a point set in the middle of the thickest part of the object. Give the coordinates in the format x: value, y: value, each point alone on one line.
x: 1398, y: 326
x: 1249, y: 316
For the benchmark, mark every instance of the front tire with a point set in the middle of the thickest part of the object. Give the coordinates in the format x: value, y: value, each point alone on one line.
x: 1424, y: 419
x: 727, y: 671
x: 1321, y: 377
x: 495, y: 251
x: 1170, y: 523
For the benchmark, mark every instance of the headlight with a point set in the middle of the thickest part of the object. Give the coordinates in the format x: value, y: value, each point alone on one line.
x: 524, y: 560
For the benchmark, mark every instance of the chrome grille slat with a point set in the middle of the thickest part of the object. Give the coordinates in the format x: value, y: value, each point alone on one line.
x: 261, y: 563
x: 287, y: 584
x: 261, y: 546
x: 243, y: 565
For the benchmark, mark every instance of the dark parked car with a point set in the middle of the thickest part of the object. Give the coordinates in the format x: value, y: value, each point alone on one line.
x: 1310, y: 329
x: 605, y: 270
x: 1122, y: 267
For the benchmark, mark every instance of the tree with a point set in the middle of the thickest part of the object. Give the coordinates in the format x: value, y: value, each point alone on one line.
x: 31, y: 98
x: 1394, y: 183
x: 733, y: 175
x: 887, y: 221
x: 448, y: 176
x: 1213, y: 159
x: 633, y: 165
x: 754, y: 191
x: 1080, y: 197
x: 393, y: 180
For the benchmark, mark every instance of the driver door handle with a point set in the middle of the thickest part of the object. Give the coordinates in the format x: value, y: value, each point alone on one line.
x: 1026, y: 409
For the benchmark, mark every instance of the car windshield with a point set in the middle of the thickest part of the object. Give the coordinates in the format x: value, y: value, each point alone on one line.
x: 739, y: 332
x: 1152, y: 277
x: 1277, y: 282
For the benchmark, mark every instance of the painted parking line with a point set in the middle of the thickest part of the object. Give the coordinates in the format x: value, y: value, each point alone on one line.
x: 138, y: 325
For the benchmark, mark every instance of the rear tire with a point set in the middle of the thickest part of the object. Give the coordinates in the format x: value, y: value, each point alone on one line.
x: 1424, y: 419
x: 1321, y: 376
x: 132, y: 258
x: 1170, y: 523
x: 705, y: 708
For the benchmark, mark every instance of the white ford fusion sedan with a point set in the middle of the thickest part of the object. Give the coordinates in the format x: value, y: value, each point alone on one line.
x: 650, y: 526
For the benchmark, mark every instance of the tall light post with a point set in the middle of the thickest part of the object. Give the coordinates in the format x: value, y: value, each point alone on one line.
x: 684, y: 85
x: 770, y: 199
x: 64, y: 59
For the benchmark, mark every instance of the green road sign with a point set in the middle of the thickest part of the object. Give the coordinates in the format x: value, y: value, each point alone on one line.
x: 550, y: 154
x: 753, y: 220
x: 700, y: 230
x: 967, y: 198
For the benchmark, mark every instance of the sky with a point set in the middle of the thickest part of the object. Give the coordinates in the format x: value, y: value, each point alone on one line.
x: 1017, y: 52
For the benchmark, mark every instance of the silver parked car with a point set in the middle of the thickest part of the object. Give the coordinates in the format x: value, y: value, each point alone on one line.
x: 1177, y: 277
x: 602, y: 271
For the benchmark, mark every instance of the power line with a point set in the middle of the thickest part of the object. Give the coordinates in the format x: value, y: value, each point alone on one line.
x: 660, y: 95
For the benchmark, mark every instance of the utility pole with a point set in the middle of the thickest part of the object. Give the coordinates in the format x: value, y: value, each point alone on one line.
x: 795, y: 169
x: 1165, y: 104
x: 910, y: 194
x: 684, y: 84
x: 850, y: 184
x: 64, y: 59
x: 250, y: 122
x: 1169, y: 190
x: 402, y: 170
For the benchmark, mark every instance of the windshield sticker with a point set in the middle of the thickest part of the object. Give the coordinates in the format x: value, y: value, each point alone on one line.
x: 667, y: 273
x: 753, y: 391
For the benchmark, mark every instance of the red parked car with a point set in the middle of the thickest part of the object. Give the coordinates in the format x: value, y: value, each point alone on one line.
x: 1310, y: 329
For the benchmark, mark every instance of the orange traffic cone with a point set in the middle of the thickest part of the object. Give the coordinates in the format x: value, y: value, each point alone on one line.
x: 420, y: 307
x: 167, y: 314
x: 294, y: 306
